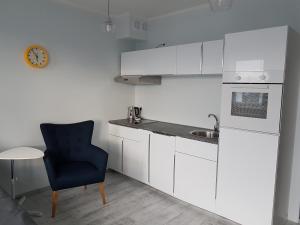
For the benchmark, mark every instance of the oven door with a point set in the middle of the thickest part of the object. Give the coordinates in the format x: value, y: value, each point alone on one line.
x: 255, y: 107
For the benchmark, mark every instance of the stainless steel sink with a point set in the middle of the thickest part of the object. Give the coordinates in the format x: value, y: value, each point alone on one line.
x: 205, y: 133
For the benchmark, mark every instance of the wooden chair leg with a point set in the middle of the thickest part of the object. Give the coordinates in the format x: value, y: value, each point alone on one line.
x: 54, y: 202
x: 102, y: 192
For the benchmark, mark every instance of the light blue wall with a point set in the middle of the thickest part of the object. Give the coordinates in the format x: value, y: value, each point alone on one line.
x: 77, y: 85
x: 201, y: 24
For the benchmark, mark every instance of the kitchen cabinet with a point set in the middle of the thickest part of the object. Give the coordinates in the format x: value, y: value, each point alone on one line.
x: 189, y: 59
x: 115, y: 148
x: 157, y: 61
x: 135, y: 159
x: 195, y: 172
x: 212, y: 57
x: 195, y: 180
x: 134, y: 63
x: 261, y: 52
x: 129, y: 151
x: 246, y: 176
x: 161, y: 61
x: 162, y: 151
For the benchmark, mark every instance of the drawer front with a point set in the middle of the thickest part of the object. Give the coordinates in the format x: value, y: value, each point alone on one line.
x: 114, y: 130
x: 128, y: 133
x: 197, y: 148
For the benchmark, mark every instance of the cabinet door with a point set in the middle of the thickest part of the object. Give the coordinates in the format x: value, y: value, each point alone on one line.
x: 133, y: 63
x: 135, y: 159
x: 195, y: 181
x: 246, y: 180
x: 115, y: 157
x: 213, y: 57
x: 161, y: 61
x: 257, y: 50
x: 162, y: 149
x: 189, y: 59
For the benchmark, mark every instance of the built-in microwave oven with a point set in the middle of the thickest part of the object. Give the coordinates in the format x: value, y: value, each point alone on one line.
x: 255, y: 107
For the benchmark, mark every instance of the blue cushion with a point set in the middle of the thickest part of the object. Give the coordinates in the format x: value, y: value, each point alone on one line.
x: 74, y: 174
x: 67, y: 140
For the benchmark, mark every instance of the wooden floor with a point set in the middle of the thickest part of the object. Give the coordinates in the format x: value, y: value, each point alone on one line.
x: 129, y: 203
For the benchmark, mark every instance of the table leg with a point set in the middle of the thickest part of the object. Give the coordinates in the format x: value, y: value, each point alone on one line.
x: 12, y: 179
x: 13, y: 191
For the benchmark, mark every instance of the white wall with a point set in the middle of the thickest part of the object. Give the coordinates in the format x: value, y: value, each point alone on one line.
x: 189, y: 100
x: 186, y: 100
x: 77, y: 85
x: 174, y: 99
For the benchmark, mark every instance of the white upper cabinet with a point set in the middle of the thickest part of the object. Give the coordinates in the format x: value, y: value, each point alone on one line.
x: 162, y: 151
x: 189, y: 59
x: 213, y: 57
x: 134, y: 63
x: 256, y: 51
x: 161, y: 61
x: 157, y: 61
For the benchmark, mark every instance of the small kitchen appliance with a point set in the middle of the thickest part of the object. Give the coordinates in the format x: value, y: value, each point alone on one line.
x: 134, y: 114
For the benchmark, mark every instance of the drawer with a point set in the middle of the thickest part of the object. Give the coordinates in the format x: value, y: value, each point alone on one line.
x: 128, y: 133
x: 197, y: 148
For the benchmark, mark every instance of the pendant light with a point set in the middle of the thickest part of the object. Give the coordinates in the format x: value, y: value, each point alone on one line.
x: 220, y: 5
x: 109, y: 26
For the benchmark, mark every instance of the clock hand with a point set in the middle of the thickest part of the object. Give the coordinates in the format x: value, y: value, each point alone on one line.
x: 36, y: 56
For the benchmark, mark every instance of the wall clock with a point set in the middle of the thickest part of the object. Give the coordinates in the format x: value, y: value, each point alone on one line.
x: 36, y: 56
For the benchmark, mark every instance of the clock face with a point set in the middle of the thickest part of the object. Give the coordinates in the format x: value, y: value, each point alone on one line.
x: 36, y: 56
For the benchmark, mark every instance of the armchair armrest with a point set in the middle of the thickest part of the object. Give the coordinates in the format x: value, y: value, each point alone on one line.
x: 50, y: 163
x: 98, y: 157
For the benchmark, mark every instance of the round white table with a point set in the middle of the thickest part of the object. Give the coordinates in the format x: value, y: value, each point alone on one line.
x: 20, y: 153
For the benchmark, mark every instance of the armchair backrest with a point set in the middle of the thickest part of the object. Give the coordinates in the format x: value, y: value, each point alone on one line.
x: 65, y: 141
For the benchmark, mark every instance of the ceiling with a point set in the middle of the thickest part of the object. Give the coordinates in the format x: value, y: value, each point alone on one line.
x: 141, y: 8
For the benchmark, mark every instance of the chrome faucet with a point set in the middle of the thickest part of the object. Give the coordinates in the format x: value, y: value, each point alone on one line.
x: 217, y: 124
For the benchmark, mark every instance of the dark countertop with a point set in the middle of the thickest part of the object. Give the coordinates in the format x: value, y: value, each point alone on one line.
x: 170, y: 129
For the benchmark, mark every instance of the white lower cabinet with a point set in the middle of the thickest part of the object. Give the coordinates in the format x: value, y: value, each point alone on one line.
x: 115, y: 148
x: 129, y: 152
x: 162, y: 151
x: 247, y: 176
x: 195, y: 177
x: 180, y: 167
x: 195, y: 181
x: 135, y: 159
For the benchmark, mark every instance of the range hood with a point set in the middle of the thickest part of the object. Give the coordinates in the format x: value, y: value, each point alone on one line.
x: 139, y: 80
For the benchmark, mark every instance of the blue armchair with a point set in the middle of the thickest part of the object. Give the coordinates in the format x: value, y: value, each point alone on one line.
x: 71, y: 160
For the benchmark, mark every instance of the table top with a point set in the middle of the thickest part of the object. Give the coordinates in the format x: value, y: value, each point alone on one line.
x: 21, y: 153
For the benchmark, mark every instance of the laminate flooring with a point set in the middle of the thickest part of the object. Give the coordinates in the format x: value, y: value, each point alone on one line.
x: 129, y: 203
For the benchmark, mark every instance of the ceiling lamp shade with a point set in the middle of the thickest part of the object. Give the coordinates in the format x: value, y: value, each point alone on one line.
x: 109, y: 26
x: 220, y: 5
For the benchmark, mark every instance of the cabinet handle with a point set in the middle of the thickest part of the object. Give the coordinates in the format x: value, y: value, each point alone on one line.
x: 263, y: 77
x: 202, y: 56
x: 174, y: 174
x: 122, y: 165
x: 238, y: 77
